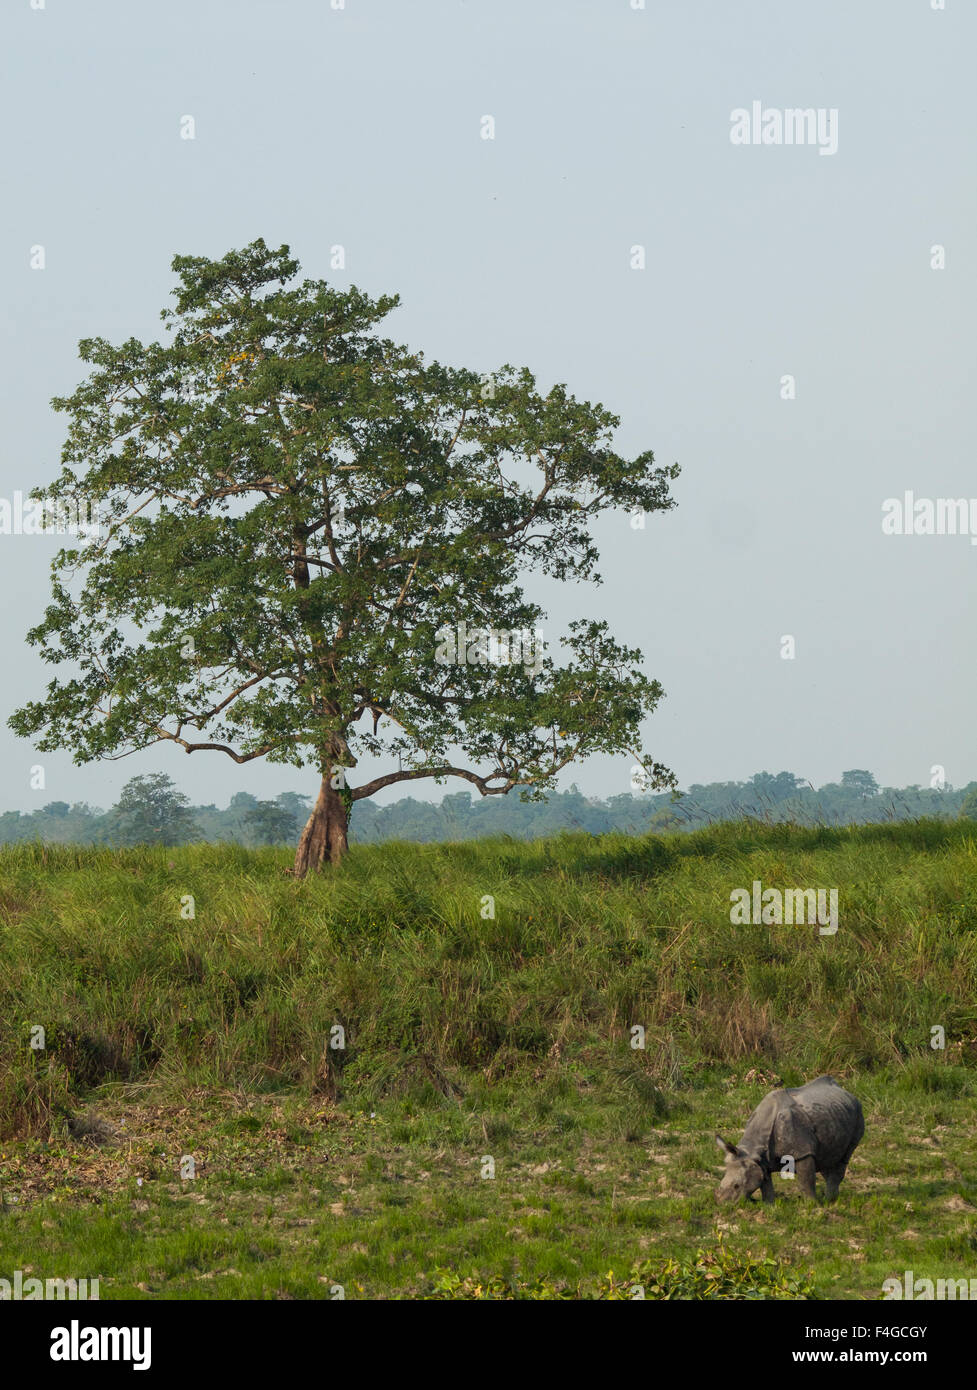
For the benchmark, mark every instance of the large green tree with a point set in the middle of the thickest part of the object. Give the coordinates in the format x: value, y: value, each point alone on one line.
x: 297, y: 514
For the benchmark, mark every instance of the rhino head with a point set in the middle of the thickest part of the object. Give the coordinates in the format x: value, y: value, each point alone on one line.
x: 743, y: 1176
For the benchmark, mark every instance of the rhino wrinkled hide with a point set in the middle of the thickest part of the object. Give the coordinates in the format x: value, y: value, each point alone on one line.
x: 818, y: 1126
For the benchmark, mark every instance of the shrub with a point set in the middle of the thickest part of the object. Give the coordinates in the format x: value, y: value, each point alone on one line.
x: 711, y: 1274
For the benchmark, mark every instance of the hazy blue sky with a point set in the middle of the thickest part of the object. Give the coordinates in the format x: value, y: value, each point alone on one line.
x: 361, y: 127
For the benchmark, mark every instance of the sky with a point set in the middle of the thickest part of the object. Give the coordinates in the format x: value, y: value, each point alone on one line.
x: 796, y: 340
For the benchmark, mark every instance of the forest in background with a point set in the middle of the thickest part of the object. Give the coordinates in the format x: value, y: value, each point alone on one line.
x: 151, y: 810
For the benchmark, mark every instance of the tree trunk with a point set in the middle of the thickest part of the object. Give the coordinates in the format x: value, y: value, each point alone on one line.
x: 324, y: 836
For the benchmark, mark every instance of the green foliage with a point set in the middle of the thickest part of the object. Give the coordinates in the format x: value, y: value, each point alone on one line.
x: 465, y: 1036
x: 719, y: 1273
x: 270, y: 824
x: 710, y: 1274
x: 447, y: 1285
x: 458, y: 817
x: 151, y: 811
x: 860, y: 782
x: 295, y: 511
x: 590, y: 936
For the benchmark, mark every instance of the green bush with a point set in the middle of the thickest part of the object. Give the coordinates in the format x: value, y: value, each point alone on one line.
x: 711, y: 1274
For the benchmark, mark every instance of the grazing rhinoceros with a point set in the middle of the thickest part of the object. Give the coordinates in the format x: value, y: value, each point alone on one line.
x: 817, y: 1125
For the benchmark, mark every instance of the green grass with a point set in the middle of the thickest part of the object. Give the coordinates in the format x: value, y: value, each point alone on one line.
x: 470, y: 1037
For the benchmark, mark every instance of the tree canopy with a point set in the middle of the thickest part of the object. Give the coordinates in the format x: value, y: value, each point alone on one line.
x: 312, y: 547
x: 152, y: 811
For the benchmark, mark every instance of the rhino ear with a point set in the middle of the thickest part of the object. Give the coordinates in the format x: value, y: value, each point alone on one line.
x: 729, y: 1149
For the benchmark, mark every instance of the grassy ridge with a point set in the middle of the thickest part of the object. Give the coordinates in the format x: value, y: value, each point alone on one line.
x: 468, y: 1035
x: 590, y: 937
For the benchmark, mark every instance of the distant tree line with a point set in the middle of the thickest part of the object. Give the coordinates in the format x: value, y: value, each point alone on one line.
x: 151, y: 810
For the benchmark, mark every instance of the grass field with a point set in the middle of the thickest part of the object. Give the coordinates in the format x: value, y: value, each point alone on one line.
x: 468, y: 1038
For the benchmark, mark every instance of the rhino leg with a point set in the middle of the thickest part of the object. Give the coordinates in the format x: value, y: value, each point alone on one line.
x: 766, y: 1189
x: 805, y: 1172
x: 832, y: 1181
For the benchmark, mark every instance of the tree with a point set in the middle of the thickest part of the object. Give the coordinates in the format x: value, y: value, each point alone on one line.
x: 269, y: 823
x: 151, y: 811
x: 297, y: 805
x: 311, y: 541
x: 777, y: 788
x: 860, y: 782
x: 238, y: 807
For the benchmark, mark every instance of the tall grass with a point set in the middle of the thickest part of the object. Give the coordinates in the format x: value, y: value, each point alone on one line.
x: 590, y: 936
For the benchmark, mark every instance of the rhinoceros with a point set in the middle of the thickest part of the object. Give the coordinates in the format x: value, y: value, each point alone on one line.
x: 817, y: 1125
